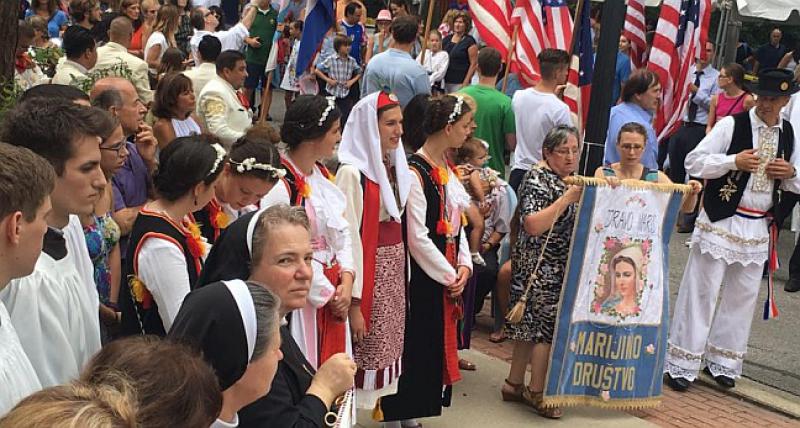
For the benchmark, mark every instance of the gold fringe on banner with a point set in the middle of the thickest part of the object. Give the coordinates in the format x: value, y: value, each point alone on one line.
x: 626, y: 404
x: 630, y: 183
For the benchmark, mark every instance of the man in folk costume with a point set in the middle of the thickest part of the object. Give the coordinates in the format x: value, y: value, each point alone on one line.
x: 376, y: 179
x: 222, y: 107
x: 747, y: 159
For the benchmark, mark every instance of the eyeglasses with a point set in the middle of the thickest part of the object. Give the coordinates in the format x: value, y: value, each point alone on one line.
x: 631, y: 147
x: 115, y: 148
x: 567, y: 152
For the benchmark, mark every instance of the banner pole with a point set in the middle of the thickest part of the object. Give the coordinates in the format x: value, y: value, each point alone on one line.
x: 427, y: 31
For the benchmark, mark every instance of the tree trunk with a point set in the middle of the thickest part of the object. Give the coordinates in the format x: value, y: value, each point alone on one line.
x: 9, y: 14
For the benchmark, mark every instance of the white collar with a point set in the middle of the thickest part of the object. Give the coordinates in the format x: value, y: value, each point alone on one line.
x: 757, y: 123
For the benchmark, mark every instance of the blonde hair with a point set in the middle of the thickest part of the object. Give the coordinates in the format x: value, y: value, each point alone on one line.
x: 76, y: 405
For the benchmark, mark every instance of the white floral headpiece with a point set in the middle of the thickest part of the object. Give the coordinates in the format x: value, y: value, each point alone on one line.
x: 456, y: 109
x: 220, y: 156
x: 250, y: 164
x: 328, y: 109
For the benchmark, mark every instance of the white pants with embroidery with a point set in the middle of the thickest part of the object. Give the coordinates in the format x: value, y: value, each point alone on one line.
x: 696, y: 330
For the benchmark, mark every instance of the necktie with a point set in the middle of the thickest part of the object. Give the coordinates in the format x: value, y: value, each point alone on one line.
x: 692, y: 106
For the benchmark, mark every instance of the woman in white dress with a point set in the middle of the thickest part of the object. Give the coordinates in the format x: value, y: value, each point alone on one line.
x: 311, y: 129
x: 174, y: 105
x: 162, y: 38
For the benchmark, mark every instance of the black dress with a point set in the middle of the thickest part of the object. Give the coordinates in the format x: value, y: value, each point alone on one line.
x: 459, y: 58
x: 419, y: 390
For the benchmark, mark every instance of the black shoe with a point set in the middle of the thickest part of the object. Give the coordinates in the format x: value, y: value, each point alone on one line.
x: 677, y: 383
x: 792, y: 285
x: 723, y: 381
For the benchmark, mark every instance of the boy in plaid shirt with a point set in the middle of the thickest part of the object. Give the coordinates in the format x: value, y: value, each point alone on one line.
x: 340, y: 71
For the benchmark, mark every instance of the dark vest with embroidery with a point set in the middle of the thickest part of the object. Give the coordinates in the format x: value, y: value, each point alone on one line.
x: 136, y: 319
x: 290, y: 182
x: 718, y: 207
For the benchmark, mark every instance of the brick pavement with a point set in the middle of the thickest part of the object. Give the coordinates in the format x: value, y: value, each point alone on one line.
x: 700, y: 406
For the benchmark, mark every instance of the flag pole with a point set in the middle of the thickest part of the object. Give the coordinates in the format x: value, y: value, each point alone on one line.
x: 266, y: 97
x: 427, y: 31
x: 512, y: 45
x: 576, y: 29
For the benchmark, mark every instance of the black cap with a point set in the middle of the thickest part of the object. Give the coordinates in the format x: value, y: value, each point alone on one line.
x: 774, y: 82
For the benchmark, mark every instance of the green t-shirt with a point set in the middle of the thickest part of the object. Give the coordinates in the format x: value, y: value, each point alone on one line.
x: 494, y: 119
x: 264, y: 26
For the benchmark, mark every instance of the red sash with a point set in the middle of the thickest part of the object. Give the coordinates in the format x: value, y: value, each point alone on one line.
x: 452, y: 313
x: 331, y: 331
x: 369, y: 242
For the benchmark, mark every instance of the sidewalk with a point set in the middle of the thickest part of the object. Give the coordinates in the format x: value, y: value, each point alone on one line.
x: 700, y: 406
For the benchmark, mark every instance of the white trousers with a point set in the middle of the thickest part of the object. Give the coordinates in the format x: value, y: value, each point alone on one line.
x: 697, y: 332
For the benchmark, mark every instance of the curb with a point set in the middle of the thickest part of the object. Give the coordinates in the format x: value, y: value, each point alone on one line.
x: 761, y: 395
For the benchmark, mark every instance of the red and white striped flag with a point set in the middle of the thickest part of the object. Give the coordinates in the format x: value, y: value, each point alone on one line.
x: 557, y: 24
x: 581, y: 71
x: 635, y: 31
x: 681, y: 35
x: 491, y: 19
x: 527, y: 15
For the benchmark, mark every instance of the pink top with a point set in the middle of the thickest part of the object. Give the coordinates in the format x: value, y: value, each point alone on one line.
x: 729, y: 106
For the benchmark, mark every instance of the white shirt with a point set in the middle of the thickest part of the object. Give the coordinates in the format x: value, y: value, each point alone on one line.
x: 224, y: 116
x: 200, y: 75
x: 157, y: 38
x: 709, y: 160
x: 68, y: 71
x: 535, y: 114
x: 232, y: 39
x: 16, y: 372
x: 435, y: 64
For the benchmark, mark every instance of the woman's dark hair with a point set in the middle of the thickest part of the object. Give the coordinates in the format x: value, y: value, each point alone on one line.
x: 558, y: 136
x: 439, y: 111
x: 736, y: 73
x: 220, y: 17
x: 52, y: 6
x: 172, y: 60
x: 301, y: 121
x: 169, y: 88
x: 186, y: 8
x: 174, y: 386
x: 633, y: 128
x: 259, y: 148
x: 185, y: 163
x: 640, y: 81
x: 415, y: 112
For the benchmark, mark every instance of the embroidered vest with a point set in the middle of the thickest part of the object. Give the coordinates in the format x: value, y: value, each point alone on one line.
x: 142, y: 317
x: 722, y: 195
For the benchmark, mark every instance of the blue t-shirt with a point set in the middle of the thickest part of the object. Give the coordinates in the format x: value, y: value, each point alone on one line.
x: 621, y: 74
x: 58, y: 20
x: 356, y: 35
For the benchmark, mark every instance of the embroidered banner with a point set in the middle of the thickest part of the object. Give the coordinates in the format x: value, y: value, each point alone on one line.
x: 611, y: 329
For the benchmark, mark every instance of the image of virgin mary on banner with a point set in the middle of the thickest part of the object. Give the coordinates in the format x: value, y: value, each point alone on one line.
x: 611, y: 329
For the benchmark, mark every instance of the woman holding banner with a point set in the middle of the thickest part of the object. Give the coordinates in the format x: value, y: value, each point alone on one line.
x: 547, y: 214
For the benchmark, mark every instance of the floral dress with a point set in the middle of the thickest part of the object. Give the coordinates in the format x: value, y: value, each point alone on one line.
x: 101, y: 237
x: 539, y: 189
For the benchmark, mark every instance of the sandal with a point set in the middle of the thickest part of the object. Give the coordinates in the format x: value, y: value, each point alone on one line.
x: 466, y: 365
x: 497, y: 337
x: 515, y: 395
x: 536, y: 400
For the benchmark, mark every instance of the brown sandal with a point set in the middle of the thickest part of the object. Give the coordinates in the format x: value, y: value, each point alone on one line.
x: 513, y: 396
x: 536, y: 400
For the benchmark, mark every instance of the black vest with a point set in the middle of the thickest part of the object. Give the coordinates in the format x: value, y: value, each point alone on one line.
x: 135, y: 318
x: 718, y: 208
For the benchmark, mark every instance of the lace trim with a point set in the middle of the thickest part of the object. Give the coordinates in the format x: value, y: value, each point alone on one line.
x: 733, y: 355
x: 683, y: 354
x: 676, y: 371
x: 705, y: 227
x: 730, y: 256
x: 720, y: 370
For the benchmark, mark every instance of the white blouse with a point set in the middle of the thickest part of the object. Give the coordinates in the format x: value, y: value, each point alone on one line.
x: 425, y: 253
x: 435, y: 64
x: 16, y: 372
x: 156, y: 38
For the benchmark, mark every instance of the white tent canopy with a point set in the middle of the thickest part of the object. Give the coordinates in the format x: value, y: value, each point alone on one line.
x: 773, y: 10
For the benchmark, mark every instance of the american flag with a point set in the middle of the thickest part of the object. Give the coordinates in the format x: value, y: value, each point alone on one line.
x: 635, y: 31
x: 557, y: 24
x: 491, y: 19
x: 527, y: 15
x: 681, y: 35
x: 581, y: 71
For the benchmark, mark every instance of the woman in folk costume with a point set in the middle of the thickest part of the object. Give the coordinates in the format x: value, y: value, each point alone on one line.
x: 375, y: 177
x: 166, y: 248
x: 252, y: 169
x: 440, y: 267
x: 311, y: 129
x: 236, y: 326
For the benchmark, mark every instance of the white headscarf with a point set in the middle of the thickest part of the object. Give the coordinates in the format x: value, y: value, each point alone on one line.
x: 361, y: 148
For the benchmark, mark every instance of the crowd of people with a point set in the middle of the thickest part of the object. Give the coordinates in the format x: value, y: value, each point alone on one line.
x: 170, y: 258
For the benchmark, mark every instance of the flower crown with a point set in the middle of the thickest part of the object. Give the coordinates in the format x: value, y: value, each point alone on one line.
x: 456, y: 109
x: 250, y: 164
x: 328, y: 109
x: 220, y: 156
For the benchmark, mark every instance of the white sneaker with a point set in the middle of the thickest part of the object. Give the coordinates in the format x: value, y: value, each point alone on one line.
x: 478, y: 260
